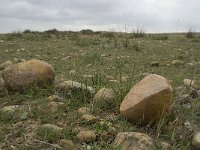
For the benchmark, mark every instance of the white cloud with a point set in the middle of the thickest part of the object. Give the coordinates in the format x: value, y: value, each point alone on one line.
x: 152, y: 15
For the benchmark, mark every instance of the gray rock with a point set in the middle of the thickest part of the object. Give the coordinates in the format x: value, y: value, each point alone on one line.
x: 134, y: 141
x: 74, y: 88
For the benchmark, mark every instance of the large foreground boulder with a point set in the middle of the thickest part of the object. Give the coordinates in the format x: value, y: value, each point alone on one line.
x: 26, y: 74
x: 148, y: 100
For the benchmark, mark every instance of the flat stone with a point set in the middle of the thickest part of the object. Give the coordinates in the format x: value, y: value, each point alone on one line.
x: 89, y: 118
x: 86, y: 136
x: 67, y: 144
x: 134, y: 141
x: 74, y: 88
x: 51, y: 127
x: 177, y: 62
x: 10, y: 109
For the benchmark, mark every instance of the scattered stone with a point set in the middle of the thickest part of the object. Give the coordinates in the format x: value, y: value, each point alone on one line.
x: 10, y: 109
x: 148, y: 100
x: 196, y: 141
x: 5, y: 64
x: 155, y: 64
x: 165, y: 146
x: 188, y: 126
x: 54, y: 106
x: 188, y: 82
x: 83, y: 110
x: 134, y: 141
x: 54, y: 98
x: 89, y: 118
x: 86, y: 136
x: 67, y: 144
x: 74, y: 88
x: 105, y: 98
x: 51, y: 127
x: 177, y: 62
x: 1, y: 41
x: 26, y: 74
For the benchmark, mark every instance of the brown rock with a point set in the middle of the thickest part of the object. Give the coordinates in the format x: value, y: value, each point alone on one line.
x: 148, y: 100
x: 89, y: 118
x: 26, y: 74
x: 134, y: 141
x: 67, y: 144
x: 105, y: 95
x: 86, y: 136
x: 51, y: 127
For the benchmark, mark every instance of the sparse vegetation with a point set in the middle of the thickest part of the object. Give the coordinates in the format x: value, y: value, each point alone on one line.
x: 106, y: 59
x: 190, y: 34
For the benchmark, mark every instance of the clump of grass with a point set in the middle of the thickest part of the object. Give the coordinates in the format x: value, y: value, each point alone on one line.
x: 190, y: 34
x: 160, y: 37
x: 87, y: 31
x: 138, y: 33
x: 15, y: 35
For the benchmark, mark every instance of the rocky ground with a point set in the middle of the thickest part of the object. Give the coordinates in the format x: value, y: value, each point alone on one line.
x: 66, y: 90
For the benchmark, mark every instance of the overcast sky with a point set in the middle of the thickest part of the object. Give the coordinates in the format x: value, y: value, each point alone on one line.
x: 111, y: 15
